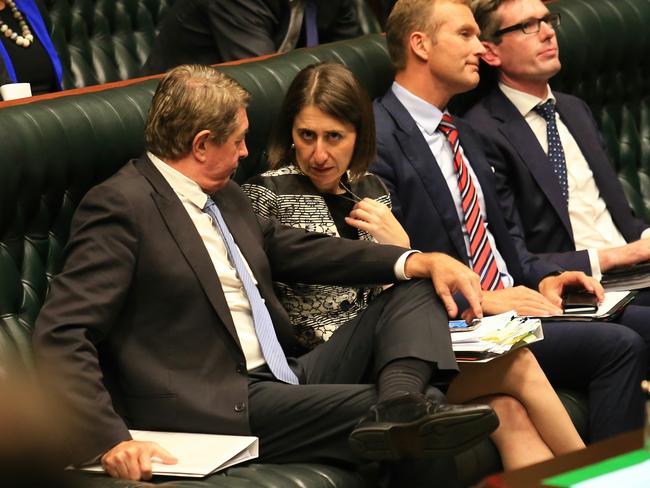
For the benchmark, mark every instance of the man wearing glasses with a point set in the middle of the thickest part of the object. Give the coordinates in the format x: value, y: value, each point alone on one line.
x: 443, y: 193
x: 550, y: 161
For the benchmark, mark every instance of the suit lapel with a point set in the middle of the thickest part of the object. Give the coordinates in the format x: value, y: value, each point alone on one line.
x: 515, y: 129
x: 418, y: 154
x: 184, y: 233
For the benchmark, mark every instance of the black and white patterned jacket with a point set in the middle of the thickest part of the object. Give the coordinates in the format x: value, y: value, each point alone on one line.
x: 289, y: 196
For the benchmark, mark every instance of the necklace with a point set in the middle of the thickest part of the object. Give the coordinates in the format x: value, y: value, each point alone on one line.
x: 24, y: 40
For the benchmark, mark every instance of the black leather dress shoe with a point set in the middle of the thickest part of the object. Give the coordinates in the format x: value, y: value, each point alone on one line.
x: 413, y: 427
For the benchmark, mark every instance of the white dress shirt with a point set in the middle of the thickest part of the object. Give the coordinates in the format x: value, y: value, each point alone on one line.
x: 193, y: 200
x: 427, y: 117
x: 592, y: 224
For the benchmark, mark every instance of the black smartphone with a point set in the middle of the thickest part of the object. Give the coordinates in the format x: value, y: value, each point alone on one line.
x: 579, y: 302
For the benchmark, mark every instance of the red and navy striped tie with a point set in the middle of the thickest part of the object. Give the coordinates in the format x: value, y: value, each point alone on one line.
x: 480, y: 250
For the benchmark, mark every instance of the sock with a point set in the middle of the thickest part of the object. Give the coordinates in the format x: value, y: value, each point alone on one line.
x: 405, y: 375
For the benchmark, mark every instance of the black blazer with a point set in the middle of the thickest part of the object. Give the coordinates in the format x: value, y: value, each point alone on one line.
x: 136, y: 325
x: 421, y: 198
x: 214, y: 31
x: 526, y: 182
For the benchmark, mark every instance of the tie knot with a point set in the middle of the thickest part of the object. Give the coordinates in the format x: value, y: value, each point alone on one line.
x: 546, y: 110
x: 446, y: 125
x: 208, y: 203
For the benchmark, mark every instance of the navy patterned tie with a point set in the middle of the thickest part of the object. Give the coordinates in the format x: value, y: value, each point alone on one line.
x: 555, y: 150
x: 273, y: 353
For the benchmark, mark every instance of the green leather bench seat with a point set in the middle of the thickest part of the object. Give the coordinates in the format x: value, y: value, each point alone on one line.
x: 252, y: 476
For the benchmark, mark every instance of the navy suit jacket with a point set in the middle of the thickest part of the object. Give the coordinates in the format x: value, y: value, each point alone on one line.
x: 422, y: 201
x: 526, y: 182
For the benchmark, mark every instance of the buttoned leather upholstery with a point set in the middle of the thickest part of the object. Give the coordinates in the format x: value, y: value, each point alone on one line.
x: 100, y: 41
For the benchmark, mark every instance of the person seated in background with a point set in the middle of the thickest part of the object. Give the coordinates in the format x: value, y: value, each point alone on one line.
x: 443, y: 193
x: 320, y: 150
x: 164, y: 316
x: 551, y: 163
x: 27, y: 54
x: 210, y: 32
x: 552, y: 170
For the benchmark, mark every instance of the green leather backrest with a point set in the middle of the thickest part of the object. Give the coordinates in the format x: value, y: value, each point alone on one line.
x: 605, y: 54
x: 61, y: 147
x: 103, y: 40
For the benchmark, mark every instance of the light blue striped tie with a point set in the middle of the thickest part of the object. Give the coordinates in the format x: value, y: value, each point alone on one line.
x: 273, y: 353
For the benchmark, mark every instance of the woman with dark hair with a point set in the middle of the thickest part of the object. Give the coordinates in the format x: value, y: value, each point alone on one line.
x: 27, y: 54
x: 319, y: 154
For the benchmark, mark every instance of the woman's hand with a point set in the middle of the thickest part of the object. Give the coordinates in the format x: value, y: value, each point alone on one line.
x: 377, y: 220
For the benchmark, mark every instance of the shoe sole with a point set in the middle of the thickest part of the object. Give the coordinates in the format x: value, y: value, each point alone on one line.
x: 429, y: 437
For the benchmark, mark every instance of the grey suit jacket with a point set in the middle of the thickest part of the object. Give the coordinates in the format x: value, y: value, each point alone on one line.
x: 136, y: 327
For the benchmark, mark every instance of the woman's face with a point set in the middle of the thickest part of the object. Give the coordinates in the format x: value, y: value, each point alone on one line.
x: 324, y: 147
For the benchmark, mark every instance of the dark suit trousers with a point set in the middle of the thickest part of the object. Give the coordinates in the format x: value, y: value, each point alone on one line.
x: 311, y: 422
x: 607, y: 359
x: 636, y: 316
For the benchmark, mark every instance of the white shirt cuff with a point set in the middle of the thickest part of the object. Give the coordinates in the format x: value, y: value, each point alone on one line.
x: 645, y: 234
x: 398, y: 268
x: 595, y: 264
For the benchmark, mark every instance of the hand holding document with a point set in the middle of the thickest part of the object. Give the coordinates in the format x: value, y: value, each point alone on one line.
x: 493, y: 336
x: 198, y: 454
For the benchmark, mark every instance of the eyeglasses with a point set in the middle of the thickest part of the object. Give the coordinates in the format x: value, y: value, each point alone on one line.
x: 355, y: 198
x: 531, y: 26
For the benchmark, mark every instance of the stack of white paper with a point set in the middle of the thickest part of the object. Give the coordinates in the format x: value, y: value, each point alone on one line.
x: 494, y: 336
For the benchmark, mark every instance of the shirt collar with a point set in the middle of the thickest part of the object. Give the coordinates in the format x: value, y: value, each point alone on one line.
x: 524, y: 102
x: 184, y: 187
x: 426, y: 115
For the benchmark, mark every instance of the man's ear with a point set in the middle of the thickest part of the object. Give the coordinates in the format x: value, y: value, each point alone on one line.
x: 420, y: 44
x: 491, y: 54
x: 199, y: 144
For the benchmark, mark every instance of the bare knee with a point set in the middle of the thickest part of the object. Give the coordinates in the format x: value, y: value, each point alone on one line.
x: 512, y: 414
x: 523, y: 369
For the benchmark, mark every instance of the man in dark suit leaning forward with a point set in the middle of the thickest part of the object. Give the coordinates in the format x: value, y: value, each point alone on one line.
x: 443, y: 192
x: 164, y: 316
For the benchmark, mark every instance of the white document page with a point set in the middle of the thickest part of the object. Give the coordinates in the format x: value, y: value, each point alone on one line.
x: 198, y: 454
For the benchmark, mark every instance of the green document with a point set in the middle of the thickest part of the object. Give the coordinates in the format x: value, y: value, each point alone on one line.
x: 570, y: 478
